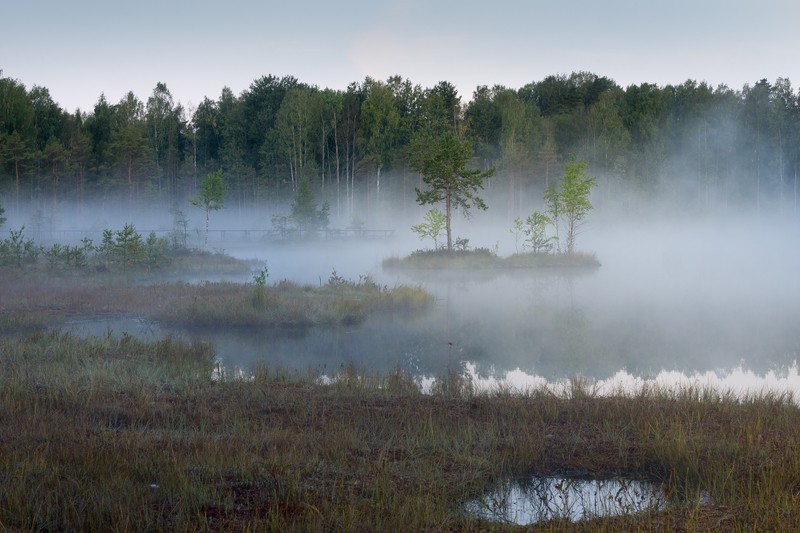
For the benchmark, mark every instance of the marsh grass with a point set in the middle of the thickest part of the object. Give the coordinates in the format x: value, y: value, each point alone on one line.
x: 105, y: 434
x: 29, y: 301
x: 288, y: 305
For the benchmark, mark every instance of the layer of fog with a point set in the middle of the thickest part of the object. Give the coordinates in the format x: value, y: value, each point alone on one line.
x: 676, y: 293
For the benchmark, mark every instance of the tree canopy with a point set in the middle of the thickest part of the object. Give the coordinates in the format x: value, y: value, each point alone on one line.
x: 692, y: 143
x: 569, y: 202
x: 442, y: 161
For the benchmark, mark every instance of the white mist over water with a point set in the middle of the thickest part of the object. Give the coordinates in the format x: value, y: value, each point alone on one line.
x: 709, y: 301
x: 706, y: 302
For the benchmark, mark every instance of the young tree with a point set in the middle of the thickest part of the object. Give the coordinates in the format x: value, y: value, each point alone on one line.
x: 211, y: 197
x: 554, y: 208
x: 304, y: 209
x: 571, y: 204
x: 517, y: 230
x: 442, y: 161
x: 431, y: 226
x: 2, y: 218
x: 535, y: 231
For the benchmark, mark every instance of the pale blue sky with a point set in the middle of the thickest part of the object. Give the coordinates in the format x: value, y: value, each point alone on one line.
x: 81, y: 48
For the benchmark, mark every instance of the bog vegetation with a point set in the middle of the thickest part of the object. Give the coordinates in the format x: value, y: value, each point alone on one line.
x: 112, y: 434
x: 106, y: 433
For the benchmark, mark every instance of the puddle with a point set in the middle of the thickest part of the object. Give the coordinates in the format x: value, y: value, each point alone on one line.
x: 540, y: 499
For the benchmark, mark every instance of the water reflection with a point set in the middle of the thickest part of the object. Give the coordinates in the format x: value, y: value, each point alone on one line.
x: 540, y: 499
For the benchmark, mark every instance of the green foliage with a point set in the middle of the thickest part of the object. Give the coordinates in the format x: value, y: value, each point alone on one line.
x: 324, y: 214
x: 154, y: 249
x: 380, y: 122
x: 442, y: 161
x: 535, y: 231
x: 18, y: 251
x: 211, y: 196
x: 305, y: 213
x: 575, y: 189
x: 517, y: 231
x: 554, y: 208
x: 2, y: 218
x: 569, y: 205
x: 431, y: 227
x: 180, y: 227
x: 280, y: 131
x: 282, y: 225
x: 68, y: 257
x: 260, y: 279
x: 212, y: 192
x: 124, y: 248
x: 259, y: 298
x: 335, y: 280
x: 127, y: 248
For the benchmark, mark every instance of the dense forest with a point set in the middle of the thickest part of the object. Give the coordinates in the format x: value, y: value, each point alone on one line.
x: 701, y: 146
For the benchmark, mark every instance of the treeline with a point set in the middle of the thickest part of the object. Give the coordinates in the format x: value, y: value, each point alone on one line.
x: 701, y: 145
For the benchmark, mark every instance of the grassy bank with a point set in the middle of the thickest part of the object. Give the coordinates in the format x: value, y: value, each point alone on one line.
x: 31, y: 300
x: 483, y: 258
x: 101, y: 434
x: 286, y: 304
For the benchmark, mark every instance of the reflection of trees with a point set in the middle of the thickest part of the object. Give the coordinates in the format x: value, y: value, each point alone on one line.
x: 546, y: 498
x: 570, y: 345
x: 532, y: 323
x: 557, y: 337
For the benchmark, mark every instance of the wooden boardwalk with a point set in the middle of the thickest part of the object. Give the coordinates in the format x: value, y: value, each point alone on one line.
x: 217, y: 235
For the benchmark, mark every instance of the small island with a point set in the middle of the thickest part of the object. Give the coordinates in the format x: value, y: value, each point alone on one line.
x: 547, y: 238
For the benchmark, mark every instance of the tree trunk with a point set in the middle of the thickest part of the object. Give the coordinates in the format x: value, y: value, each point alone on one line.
x: 378, y: 189
x: 322, y: 149
x: 205, y: 244
x: 447, y: 219
x: 336, y: 148
x: 130, y: 180
x: 55, y: 184
x: 16, y: 171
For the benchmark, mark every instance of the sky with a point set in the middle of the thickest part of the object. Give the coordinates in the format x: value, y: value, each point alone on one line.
x: 80, y: 49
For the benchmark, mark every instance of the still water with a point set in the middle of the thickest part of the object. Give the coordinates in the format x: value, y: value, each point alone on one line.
x: 696, y: 301
x: 541, y: 499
